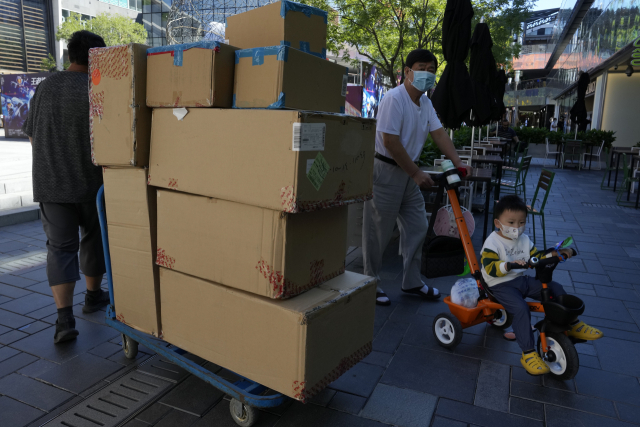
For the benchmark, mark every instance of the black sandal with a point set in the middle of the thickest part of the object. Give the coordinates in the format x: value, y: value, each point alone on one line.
x: 382, y: 295
x: 418, y: 291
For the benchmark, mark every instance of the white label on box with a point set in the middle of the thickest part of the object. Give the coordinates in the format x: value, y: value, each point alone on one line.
x: 309, y: 164
x: 345, y: 81
x: 308, y: 136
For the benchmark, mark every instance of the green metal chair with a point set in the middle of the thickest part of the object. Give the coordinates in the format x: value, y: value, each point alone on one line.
x: 544, y: 184
x: 607, y: 160
x: 628, y: 181
x: 518, y: 186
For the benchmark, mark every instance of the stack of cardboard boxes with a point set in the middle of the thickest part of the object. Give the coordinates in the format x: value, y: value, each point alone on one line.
x: 227, y: 175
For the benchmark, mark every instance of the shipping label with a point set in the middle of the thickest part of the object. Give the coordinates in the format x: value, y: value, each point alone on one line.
x: 308, y: 136
x: 318, y: 171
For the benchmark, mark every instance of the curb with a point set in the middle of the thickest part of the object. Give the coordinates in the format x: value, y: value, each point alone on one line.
x: 20, y: 215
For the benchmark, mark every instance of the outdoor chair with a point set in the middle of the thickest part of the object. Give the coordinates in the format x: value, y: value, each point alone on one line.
x: 518, y: 186
x: 510, y: 170
x: 548, y: 152
x: 608, y: 167
x: 583, y: 158
x: 627, y: 184
x: 537, y: 209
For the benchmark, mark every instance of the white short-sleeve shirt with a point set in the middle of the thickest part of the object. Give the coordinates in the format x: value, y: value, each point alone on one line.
x: 399, y: 115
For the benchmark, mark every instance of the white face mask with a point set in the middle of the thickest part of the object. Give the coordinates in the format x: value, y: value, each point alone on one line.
x: 511, y: 232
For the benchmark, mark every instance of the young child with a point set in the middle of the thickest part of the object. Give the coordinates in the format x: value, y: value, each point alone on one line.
x: 510, y: 244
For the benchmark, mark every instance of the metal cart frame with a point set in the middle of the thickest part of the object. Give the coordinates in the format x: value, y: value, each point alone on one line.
x: 245, y: 394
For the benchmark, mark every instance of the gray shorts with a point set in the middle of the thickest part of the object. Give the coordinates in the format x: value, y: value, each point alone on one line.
x: 61, y: 222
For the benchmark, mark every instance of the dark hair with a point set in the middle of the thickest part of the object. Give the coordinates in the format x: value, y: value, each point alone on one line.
x: 510, y: 203
x: 420, y: 55
x: 79, y: 45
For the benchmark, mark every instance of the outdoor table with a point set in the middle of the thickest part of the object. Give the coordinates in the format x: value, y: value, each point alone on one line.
x: 502, y: 144
x: 618, y: 151
x: 492, y: 160
x: 573, y: 144
x: 478, y: 175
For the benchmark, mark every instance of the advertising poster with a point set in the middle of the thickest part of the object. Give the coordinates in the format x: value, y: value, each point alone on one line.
x: 16, y: 92
x: 373, y: 91
x: 353, y: 104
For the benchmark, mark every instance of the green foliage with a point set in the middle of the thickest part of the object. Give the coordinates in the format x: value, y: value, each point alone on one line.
x: 532, y: 135
x: 538, y: 135
x: 385, y: 31
x: 596, y: 136
x: 114, y: 29
x: 49, y: 64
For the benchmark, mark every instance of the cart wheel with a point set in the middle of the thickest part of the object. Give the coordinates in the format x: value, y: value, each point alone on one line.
x: 447, y: 329
x: 129, y: 346
x: 504, y: 321
x: 562, y: 357
x: 242, y: 414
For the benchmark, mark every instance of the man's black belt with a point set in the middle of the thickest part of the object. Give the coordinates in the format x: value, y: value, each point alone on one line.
x: 387, y: 159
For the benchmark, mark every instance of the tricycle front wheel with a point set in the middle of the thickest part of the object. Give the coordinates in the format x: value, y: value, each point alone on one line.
x: 447, y: 330
x: 562, y: 357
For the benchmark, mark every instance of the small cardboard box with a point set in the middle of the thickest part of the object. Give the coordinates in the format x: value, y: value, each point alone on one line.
x: 258, y: 250
x: 119, y: 117
x: 191, y: 75
x: 296, y: 346
x: 283, y: 77
x: 285, y: 22
x: 284, y: 160
x: 131, y: 223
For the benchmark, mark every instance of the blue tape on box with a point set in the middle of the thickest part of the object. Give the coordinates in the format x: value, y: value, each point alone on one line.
x: 284, y: 43
x: 305, y: 47
x: 178, y: 49
x: 279, y: 103
x: 257, y: 54
x: 297, y: 7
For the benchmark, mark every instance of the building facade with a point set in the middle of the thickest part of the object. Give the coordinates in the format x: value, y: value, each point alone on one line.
x: 601, y: 37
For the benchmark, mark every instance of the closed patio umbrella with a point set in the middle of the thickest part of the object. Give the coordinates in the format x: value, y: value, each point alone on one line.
x: 498, y: 92
x: 579, y: 110
x: 453, y: 97
x: 482, y: 69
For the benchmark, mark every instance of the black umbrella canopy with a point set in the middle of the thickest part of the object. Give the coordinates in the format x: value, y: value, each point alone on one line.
x: 579, y: 110
x: 453, y: 97
x: 482, y: 68
x: 498, y: 92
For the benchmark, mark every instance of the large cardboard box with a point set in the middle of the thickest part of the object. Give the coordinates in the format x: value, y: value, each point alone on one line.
x: 120, y: 119
x: 258, y: 250
x: 191, y: 75
x: 283, y: 77
x: 285, y: 22
x: 277, y: 159
x: 296, y: 346
x: 131, y: 224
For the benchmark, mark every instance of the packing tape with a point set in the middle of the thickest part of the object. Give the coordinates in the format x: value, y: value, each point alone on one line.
x: 297, y: 7
x: 279, y: 103
x: 177, y: 50
x: 305, y: 47
x: 257, y: 54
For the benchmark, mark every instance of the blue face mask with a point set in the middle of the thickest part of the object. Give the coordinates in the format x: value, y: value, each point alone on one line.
x: 423, y: 80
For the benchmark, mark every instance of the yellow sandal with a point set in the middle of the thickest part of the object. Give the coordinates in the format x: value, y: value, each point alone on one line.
x: 585, y: 332
x: 533, y: 364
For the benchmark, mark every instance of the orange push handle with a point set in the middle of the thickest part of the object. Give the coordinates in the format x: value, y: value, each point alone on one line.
x: 463, y: 231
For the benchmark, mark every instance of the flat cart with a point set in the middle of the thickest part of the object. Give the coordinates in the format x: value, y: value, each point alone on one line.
x: 246, y: 395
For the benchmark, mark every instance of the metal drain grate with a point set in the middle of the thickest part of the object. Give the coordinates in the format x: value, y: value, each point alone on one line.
x: 113, y: 404
x: 598, y: 205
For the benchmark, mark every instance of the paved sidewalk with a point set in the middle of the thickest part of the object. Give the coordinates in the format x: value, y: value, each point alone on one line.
x: 408, y: 380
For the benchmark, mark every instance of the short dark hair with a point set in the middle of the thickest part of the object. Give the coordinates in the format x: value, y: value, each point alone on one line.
x: 420, y: 55
x: 79, y: 45
x: 510, y: 203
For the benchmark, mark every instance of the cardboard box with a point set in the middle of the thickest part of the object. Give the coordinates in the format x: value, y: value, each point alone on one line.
x: 191, y: 75
x: 277, y: 159
x: 258, y: 250
x: 354, y: 224
x: 296, y: 347
x: 131, y: 223
x: 120, y: 120
x: 283, y: 77
x: 285, y: 22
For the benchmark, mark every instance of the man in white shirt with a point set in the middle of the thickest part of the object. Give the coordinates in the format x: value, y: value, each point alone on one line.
x: 554, y: 125
x: 405, y: 118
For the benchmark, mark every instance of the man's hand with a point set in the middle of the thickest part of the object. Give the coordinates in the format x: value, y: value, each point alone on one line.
x: 423, y: 179
x: 567, y: 253
x: 467, y: 167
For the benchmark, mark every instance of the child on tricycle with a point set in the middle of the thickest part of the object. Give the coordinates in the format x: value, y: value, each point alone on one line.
x: 510, y: 286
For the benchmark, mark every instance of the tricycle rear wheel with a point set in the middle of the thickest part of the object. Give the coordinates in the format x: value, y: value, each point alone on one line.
x: 447, y: 330
x: 504, y: 321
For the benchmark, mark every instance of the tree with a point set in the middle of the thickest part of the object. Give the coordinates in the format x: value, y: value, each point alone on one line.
x: 385, y: 31
x: 114, y: 29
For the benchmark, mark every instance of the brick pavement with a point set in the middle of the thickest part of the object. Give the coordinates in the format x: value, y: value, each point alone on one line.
x: 408, y: 380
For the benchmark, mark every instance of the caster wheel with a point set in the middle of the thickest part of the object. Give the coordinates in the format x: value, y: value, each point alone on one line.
x: 562, y: 357
x: 504, y: 320
x: 129, y: 347
x: 244, y: 415
x: 447, y: 329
